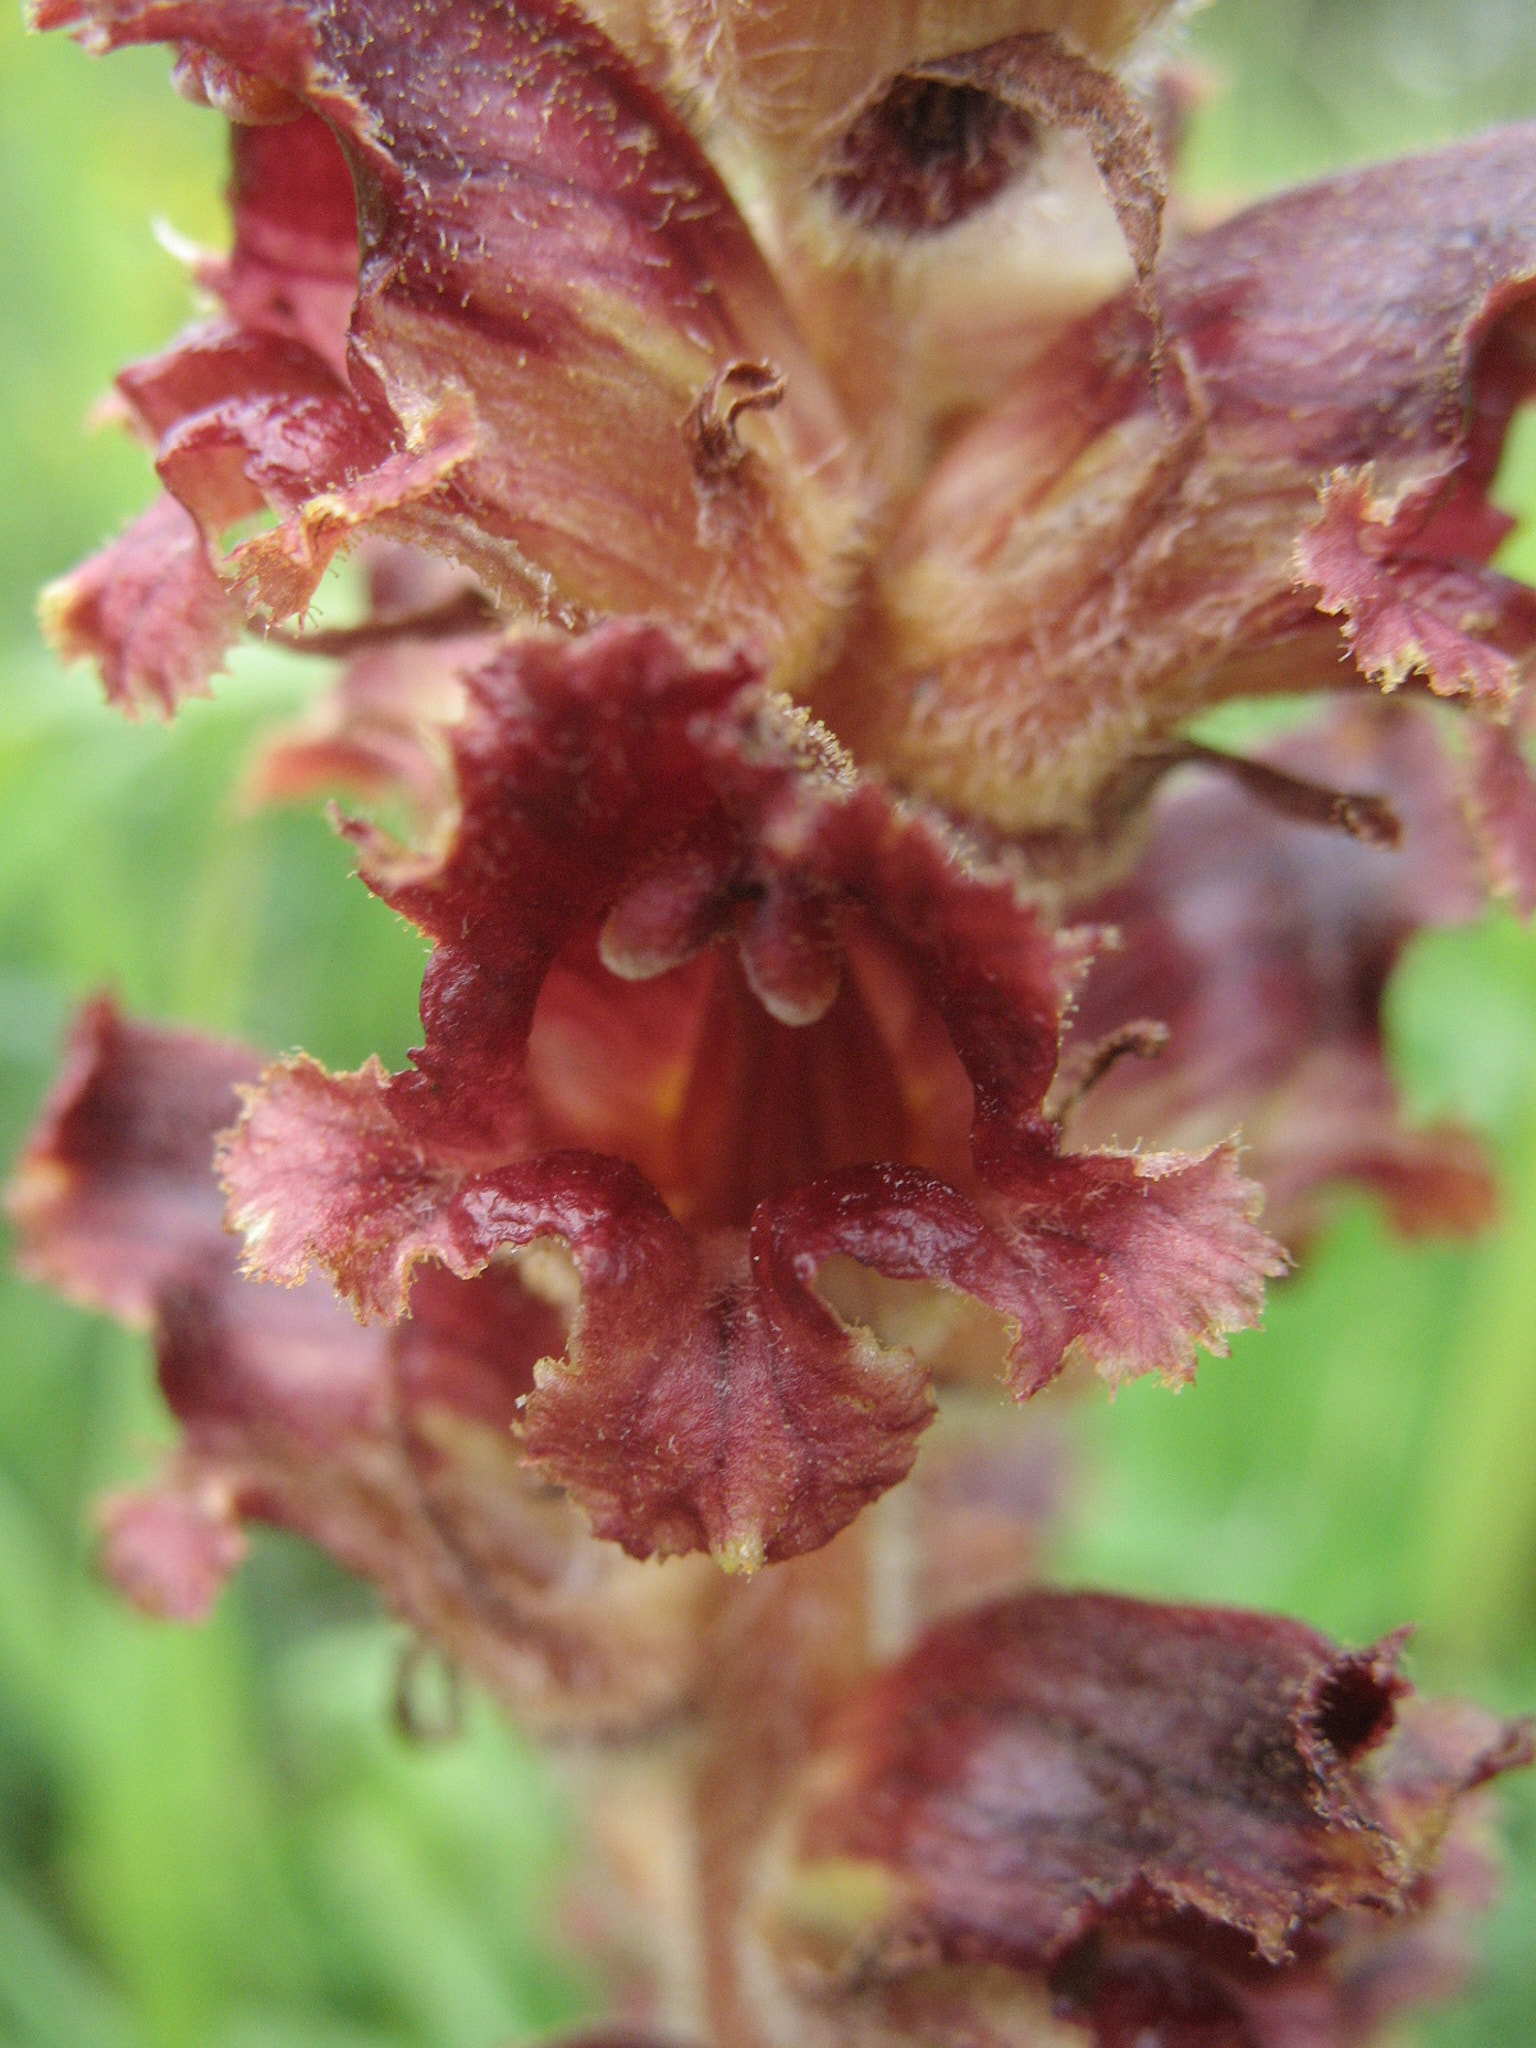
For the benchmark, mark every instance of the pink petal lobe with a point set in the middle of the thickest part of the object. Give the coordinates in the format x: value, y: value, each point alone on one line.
x: 170, y: 1550
x: 245, y: 418
x: 149, y: 610
x: 112, y: 1195
x: 894, y: 1114
x: 1436, y: 620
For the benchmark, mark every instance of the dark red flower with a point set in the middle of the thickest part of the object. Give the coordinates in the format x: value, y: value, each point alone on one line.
x: 1108, y: 550
x: 1180, y: 1824
x: 549, y: 367
x: 389, y: 1448
x: 799, y: 940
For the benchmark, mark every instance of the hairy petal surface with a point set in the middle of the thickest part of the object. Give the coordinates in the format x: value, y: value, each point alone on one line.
x: 1265, y: 944
x: 929, y: 179
x: 1174, y: 1819
x: 392, y: 1449
x: 567, y: 365
x: 149, y: 611
x: 1105, y: 552
x: 616, y: 796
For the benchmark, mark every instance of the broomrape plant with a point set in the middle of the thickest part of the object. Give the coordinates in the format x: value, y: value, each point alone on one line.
x: 808, y: 476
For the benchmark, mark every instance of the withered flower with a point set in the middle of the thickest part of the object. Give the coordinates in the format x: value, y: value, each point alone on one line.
x: 804, y: 504
x: 1178, y: 1824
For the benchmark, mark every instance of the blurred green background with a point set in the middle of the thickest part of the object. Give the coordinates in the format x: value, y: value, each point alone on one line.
x: 214, y: 1838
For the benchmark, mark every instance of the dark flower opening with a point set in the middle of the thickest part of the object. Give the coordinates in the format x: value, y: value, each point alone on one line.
x: 1355, y: 1707
x: 928, y: 153
x: 698, y: 1080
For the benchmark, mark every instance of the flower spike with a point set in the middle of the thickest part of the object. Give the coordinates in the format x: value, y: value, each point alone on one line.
x: 809, y: 479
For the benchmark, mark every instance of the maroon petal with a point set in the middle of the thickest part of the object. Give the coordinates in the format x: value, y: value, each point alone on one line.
x: 557, y: 299
x: 1173, y: 1818
x: 149, y: 610
x: 697, y: 1408
x: 1265, y: 946
x: 1446, y: 622
x: 1106, y: 553
x: 391, y: 1449
x: 243, y: 419
x: 1127, y: 1260
x: 708, y: 1396
x: 293, y: 268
